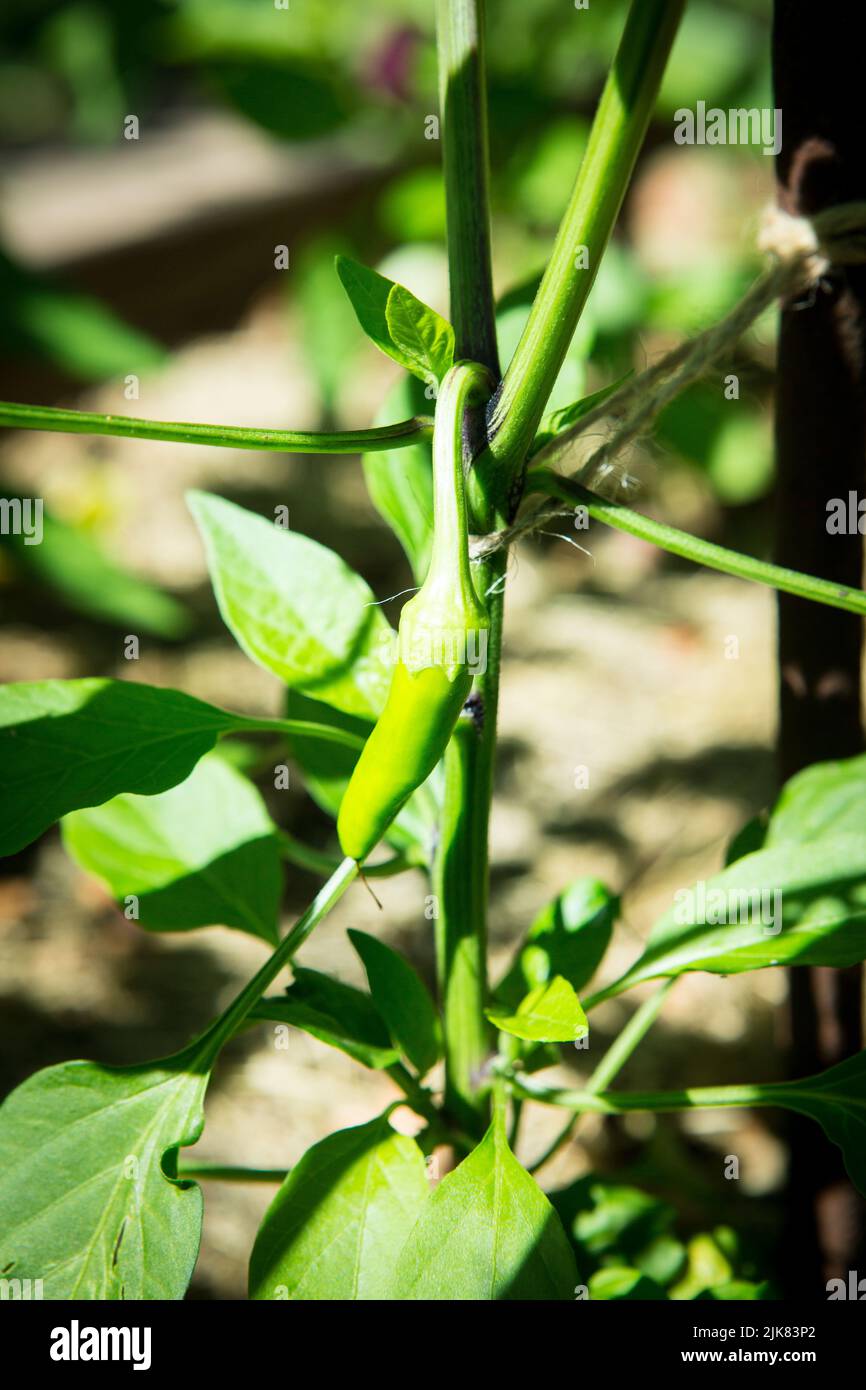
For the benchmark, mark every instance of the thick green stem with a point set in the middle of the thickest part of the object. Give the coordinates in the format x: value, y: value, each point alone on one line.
x: 38, y: 417
x: 463, y: 115
x: 460, y: 865
x: 461, y: 878
x: 615, y: 139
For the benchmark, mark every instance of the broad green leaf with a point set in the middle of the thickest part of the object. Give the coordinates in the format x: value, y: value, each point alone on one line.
x: 326, y: 1029
x: 549, y: 1013
x: 568, y: 937
x: 620, y: 1284
x: 836, y: 1098
x: 327, y: 767
x: 204, y: 852
x: 815, y: 894
x: 296, y: 608
x: 402, y: 999
x: 88, y: 1203
x: 68, y: 744
x: 74, y: 565
x: 822, y: 800
x: 335, y: 1013
x: 400, y: 481
x: 333, y: 1229
x: 487, y: 1233
x: 748, y: 839
x: 400, y: 325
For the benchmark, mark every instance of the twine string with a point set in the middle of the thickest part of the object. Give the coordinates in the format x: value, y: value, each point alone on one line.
x: 800, y: 251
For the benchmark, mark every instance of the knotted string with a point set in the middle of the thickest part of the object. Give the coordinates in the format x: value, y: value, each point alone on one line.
x: 800, y: 251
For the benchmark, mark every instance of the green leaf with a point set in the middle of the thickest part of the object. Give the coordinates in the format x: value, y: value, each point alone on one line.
x: 707, y: 1268
x: 607, y: 1218
x: 403, y: 327
x: 203, y: 852
x: 328, y: 328
x: 296, y: 608
x: 820, y: 911
x: 663, y: 1259
x: 549, y: 1013
x: 87, y: 1155
x: 332, y: 1231
x: 335, y: 1013
x: 402, y: 999
x: 738, y: 1291
x: 292, y: 100
x: 69, y: 744
x: 836, y: 1098
x: 568, y: 937
x: 487, y: 1233
x: 620, y: 1284
x: 560, y: 420
x: 748, y: 839
x: 400, y: 481
x: 822, y: 800
x: 421, y: 337
x: 327, y: 767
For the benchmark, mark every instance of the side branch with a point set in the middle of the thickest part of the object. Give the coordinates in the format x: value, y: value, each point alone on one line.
x: 38, y: 417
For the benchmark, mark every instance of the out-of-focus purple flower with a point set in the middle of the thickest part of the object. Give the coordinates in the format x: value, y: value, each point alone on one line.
x: 389, y: 68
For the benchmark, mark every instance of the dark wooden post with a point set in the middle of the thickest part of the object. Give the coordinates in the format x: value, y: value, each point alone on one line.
x: 820, y: 452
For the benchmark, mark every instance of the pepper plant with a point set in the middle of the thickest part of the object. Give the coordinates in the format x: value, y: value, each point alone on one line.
x: 396, y: 738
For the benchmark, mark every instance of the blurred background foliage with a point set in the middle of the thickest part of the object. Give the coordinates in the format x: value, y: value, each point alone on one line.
x: 152, y: 261
x: 360, y: 82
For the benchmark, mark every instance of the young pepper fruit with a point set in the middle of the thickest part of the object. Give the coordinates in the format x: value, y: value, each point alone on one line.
x: 441, y: 640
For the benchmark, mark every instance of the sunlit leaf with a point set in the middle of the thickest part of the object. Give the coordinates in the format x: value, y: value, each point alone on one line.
x: 296, y: 608
x: 334, y: 1227
x: 203, y: 852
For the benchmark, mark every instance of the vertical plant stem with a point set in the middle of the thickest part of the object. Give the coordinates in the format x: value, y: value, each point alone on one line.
x: 463, y: 116
x: 461, y: 881
x: 615, y: 139
x: 460, y: 868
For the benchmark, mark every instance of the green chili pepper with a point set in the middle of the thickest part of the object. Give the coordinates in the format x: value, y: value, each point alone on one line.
x: 441, y: 643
